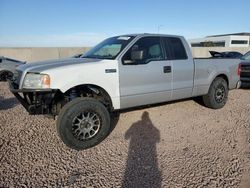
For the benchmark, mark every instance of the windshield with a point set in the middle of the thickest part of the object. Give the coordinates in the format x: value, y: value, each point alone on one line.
x: 109, y: 48
x: 246, y: 56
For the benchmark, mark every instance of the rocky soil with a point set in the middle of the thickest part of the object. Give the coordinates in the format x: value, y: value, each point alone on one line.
x: 180, y: 144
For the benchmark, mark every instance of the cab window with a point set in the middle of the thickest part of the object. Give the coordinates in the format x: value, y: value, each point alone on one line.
x: 175, y: 49
x: 145, y: 50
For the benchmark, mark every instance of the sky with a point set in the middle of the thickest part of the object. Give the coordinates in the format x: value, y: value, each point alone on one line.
x: 78, y: 23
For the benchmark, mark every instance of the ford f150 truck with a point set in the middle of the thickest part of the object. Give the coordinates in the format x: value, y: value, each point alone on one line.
x: 119, y: 73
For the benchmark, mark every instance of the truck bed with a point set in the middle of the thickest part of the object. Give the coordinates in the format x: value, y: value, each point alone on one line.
x: 207, y: 68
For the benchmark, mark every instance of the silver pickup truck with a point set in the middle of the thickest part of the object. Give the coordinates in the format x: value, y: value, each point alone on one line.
x: 120, y: 73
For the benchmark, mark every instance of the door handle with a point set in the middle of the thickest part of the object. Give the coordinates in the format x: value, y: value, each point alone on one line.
x: 110, y: 70
x: 167, y: 69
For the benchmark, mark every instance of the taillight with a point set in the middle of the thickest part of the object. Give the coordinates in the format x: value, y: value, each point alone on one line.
x: 239, y: 69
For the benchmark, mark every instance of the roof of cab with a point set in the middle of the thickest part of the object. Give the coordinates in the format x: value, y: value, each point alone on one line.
x: 151, y: 34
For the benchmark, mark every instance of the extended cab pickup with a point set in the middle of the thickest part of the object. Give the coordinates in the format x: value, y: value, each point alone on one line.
x: 119, y: 73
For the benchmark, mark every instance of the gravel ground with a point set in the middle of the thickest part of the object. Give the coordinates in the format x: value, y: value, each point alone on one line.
x: 181, y: 144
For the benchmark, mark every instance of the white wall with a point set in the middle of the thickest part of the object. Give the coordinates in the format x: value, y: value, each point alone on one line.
x: 227, y: 40
x: 239, y: 38
x: 37, y: 54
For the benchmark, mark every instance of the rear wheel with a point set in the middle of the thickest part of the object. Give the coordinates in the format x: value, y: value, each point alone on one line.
x: 217, y: 94
x: 83, y: 123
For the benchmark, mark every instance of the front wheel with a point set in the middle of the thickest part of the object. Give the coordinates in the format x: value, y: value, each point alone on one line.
x: 217, y: 94
x: 83, y: 123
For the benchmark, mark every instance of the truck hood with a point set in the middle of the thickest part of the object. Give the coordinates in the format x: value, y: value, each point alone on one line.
x: 50, y: 64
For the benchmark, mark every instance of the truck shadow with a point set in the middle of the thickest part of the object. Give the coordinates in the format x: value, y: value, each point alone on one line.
x: 142, y: 164
x: 6, y: 104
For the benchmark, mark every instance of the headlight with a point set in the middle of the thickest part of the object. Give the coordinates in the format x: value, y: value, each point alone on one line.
x: 36, y: 81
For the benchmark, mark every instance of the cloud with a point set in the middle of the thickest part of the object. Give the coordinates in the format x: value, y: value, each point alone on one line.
x: 60, y: 40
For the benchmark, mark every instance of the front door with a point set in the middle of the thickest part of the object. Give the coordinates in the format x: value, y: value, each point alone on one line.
x: 145, y: 74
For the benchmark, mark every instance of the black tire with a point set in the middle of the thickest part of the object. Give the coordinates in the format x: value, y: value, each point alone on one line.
x: 69, y: 129
x: 217, y: 94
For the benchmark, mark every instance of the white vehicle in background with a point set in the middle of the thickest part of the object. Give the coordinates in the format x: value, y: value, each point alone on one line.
x: 120, y: 73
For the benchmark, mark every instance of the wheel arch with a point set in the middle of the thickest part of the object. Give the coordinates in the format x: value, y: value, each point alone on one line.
x: 224, y: 76
x: 98, y: 91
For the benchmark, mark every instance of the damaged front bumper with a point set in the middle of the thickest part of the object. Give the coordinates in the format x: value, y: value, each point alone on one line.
x: 35, y: 101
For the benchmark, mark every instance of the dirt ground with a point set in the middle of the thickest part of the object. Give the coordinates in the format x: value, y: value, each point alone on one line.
x: 180, y: 144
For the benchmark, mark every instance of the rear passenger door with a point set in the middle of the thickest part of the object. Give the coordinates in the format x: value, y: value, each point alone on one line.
x: 182, y: 67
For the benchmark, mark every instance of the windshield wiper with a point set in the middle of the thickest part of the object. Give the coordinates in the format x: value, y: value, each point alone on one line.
x: 99, y: 57
x: 91, y: 57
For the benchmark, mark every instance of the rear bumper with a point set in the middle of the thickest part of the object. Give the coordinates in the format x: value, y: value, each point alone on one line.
x: 245, y: 82
x: 245, y: 79
x: 34, y: 101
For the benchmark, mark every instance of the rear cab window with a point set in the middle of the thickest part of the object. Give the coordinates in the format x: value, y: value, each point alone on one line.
x: 174, y: 48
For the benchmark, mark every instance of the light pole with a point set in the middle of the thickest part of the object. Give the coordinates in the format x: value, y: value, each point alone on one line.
x: 159, y: 27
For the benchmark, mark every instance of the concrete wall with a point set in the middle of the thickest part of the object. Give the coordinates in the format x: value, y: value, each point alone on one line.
x: 37, y: 54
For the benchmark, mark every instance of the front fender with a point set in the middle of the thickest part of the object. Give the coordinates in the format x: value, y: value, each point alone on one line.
x: 88, y: 74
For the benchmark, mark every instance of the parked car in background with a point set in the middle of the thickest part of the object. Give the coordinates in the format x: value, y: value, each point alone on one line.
x: 230, y: 54
x: 245, y: 70
x: 7, y: 67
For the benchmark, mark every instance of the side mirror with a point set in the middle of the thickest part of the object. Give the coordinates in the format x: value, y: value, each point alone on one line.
x: 137, y: 55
